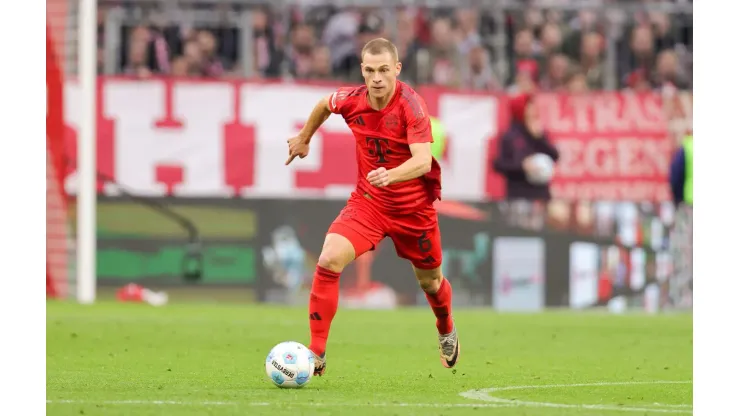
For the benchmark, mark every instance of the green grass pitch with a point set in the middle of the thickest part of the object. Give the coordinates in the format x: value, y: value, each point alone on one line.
x: 208, y: 359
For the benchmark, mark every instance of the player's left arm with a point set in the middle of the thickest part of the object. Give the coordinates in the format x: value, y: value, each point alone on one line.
x: 419, y: 164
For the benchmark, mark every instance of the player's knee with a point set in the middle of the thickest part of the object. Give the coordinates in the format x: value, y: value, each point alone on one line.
x: 430, y: 285
x: 332, y: 260
x: 429, y: 280
x: 336, y: 254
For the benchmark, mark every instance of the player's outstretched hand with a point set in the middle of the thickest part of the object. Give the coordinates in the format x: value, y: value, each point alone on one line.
x: 379, y: 177
x: 297, y: 146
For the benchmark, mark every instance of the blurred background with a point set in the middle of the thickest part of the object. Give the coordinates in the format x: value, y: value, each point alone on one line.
x: 195, y: 99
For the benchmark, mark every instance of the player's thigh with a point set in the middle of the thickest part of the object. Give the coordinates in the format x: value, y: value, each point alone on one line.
x: 419, y: 242
x: 354, y: 232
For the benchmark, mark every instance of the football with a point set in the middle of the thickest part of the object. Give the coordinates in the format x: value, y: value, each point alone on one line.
x: 289, y: 365
x: 545, y: 169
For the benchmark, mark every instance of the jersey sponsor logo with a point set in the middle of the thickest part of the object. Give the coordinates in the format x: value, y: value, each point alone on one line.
x: 379, y: 148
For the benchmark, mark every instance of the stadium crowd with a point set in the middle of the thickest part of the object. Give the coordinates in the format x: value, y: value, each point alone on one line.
x: 549, y: 49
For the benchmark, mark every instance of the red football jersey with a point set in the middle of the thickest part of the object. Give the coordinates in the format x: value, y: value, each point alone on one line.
x: 383, y: 138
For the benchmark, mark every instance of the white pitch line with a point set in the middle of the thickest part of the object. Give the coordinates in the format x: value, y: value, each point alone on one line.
x: 484, y: 395
x: 264, y: 404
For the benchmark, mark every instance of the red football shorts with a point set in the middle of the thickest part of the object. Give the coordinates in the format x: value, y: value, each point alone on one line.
x: 416, y: 235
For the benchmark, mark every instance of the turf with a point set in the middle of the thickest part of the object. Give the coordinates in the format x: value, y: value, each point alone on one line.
x: 206, y: 359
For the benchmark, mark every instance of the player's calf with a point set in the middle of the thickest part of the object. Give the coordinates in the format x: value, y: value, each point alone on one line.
x: 439, y: 295
x: 324, y: 299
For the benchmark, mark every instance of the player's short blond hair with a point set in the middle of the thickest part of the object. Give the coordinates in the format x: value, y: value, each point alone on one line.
x: 380, y: 45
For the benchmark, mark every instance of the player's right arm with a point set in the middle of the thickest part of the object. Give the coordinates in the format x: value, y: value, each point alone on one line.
x: 319, y: 114
x: 298, y: 145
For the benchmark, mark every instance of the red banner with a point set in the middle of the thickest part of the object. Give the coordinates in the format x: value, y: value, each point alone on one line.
x: 226, y: 138
x: 612, y: 146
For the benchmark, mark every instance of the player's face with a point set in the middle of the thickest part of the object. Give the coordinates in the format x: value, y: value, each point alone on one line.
x: 380, y: 72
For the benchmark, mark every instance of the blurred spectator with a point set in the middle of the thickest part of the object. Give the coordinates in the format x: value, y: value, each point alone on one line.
x: 558, y: 68
x: 533, y: 20
x: 300, y: 50
x: 523, y: 51
x: 585, y: 22
x: 147, y: 52
x: 554, y: 16
x: 468, y: 31
x: 321, y: 65
x: 577, y: 82
x: 667, y: 71
x: 180, y: 67
x: 408, y: 47
x: 371, y: 27
x: 441, y: 64
x: 267, y: 56
x: 525, y: 78
x: 211, y: 64
x: 194, y: 58
x: 478, y: 74
x: 682, y: 173
x: 641, y: 51
x: 638, y: 81
x: 339, y: 35
x: 591, y: 60
x: 137, y: 63
x: 550, y: 42
x: 665, y: 38
x: 524, y: 138
x: 453, y: 47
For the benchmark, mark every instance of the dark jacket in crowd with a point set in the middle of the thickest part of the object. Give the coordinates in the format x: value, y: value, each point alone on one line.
x: 514, y: 146
x: 678, y: 175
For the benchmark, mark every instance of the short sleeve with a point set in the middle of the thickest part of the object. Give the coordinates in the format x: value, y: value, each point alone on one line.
x: 418, y: 125
x: 338, y: 100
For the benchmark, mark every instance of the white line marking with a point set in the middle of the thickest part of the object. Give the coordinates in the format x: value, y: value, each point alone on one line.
x: 484, y: 395
x: 265, y: 404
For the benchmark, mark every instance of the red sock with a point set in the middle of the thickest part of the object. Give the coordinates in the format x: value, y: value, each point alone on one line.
x: 322, y: 307
x: 441, y: 303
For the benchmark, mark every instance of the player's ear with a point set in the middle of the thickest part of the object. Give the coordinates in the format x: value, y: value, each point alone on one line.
x: 398, y: 68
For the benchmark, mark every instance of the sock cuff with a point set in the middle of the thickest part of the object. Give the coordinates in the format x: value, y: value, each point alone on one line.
x: 443, y: 291
x: 326, y: 273
x: 444, y: 286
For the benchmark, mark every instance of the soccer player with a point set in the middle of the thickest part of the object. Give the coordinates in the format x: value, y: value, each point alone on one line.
x: 398, y: 181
